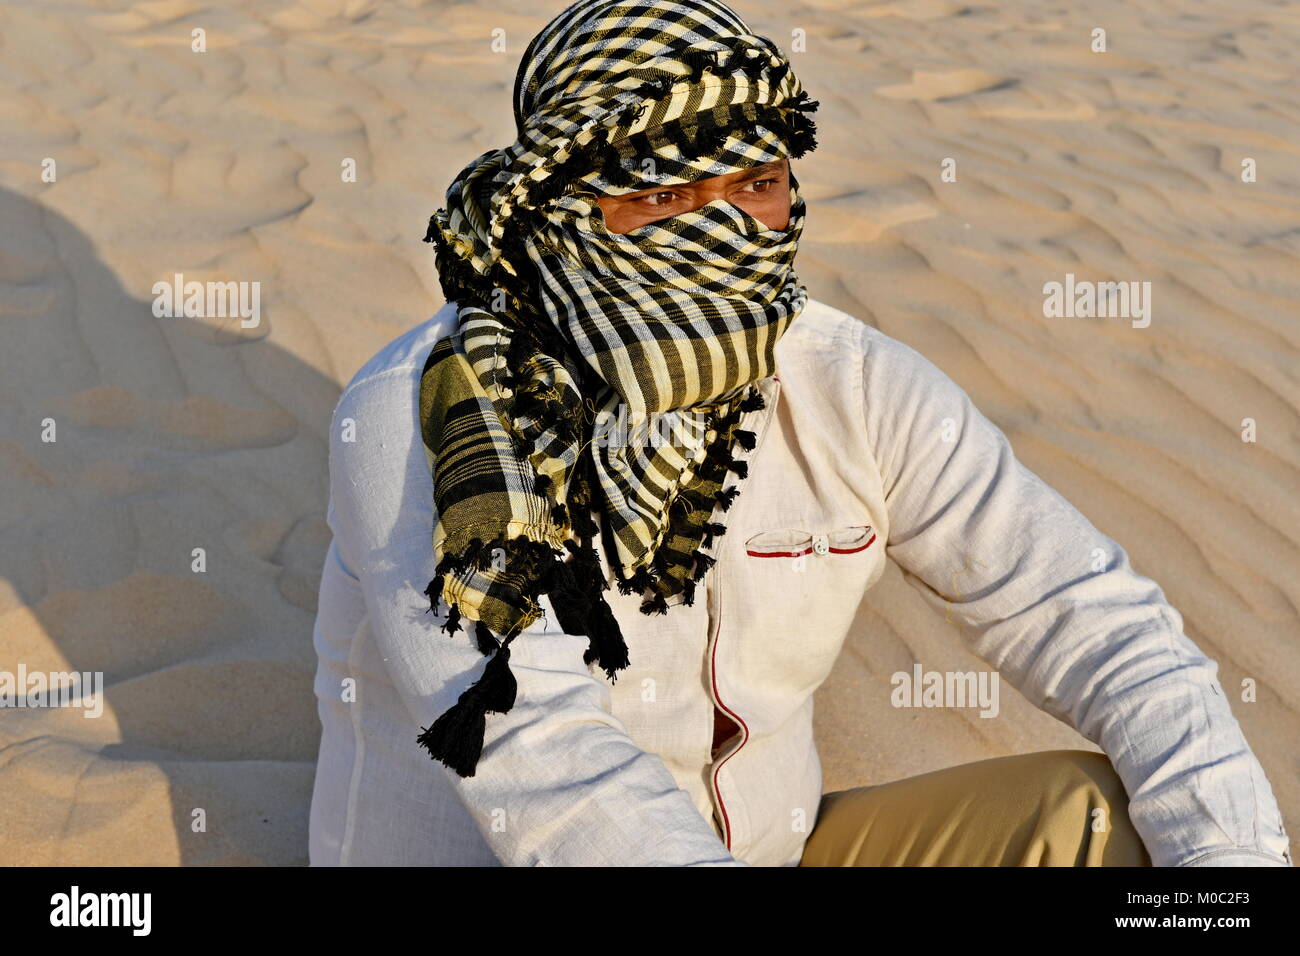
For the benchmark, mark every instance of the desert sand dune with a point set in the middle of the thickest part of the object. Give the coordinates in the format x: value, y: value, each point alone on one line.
x: 183, y: 433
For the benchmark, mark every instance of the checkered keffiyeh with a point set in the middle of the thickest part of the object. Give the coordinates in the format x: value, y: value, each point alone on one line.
x: 596, y: 376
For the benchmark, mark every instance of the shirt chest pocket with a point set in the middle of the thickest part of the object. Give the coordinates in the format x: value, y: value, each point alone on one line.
x: 802, y: 588
x: 800, y: 546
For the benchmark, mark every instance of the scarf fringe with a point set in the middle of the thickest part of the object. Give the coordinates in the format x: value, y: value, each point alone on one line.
x: 654, y: 580
x: 456, y: 738
x: 574, y: 583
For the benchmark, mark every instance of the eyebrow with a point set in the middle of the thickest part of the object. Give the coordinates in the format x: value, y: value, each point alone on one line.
x: 765, y: 169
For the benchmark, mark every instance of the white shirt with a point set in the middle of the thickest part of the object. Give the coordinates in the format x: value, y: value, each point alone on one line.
x: 866, y: 451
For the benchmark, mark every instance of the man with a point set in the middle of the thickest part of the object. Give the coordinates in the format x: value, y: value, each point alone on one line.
x: 623, y: 429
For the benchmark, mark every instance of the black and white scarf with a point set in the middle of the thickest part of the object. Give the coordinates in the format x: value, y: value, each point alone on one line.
x: 594, y: 374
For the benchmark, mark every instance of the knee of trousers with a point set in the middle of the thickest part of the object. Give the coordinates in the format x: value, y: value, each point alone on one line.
x: 1080, y: 771
x: 1080, y: 789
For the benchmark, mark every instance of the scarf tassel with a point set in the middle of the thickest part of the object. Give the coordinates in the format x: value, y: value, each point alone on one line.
x: 688, y: 592
x: 675, y: 132
x: 702, y: 564
x: 655, y: 605
x: 640, y: 580
x: 434, y: 592
x: 569, y: 599
x: 607, y: 647
x: 487, y: 642
x: 574, y: 588
x: 726, y: 498
x: 753, y: 401
x: 456, y: 738
x: 613, y: 171
x: 699, y: 61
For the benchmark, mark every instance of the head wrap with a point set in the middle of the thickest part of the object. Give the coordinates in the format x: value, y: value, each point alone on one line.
x: 595, y: 375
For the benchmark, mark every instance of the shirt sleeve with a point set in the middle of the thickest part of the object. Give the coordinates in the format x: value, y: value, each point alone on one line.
x: 1055, y: 606
x: 560, y: 782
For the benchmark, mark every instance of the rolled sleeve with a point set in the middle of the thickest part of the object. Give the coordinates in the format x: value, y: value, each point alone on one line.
x: 1055, y: 606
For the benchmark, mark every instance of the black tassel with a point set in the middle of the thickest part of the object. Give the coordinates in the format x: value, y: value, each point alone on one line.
x: 560, y: 515
x: 675, y: 133
x: 653, y: 89
x: 804, y: 103
x: 702, y: 564
x: 569, y: 599
x: 632, y: 112
x: 803, y: 137
x: 470, y: 557
x: 542, y: 485
x: 434, y: 592
x: 612, y: 168
x: 484, y: 558
x: 740, y: 468
x: 452, y: 624
x: 431, y: 233
x: 712, y: 530
x: 656, y: 605
x: 708, y: 140
x: 745, y: 439
x: 719, y: 453
x: 487, y: 642
x: 688, y: 592
x: 607, y: 647
x: 456, y: 738
x: 725, y: 498
x: 640, y: 580
x: 699, y: 60
x: 497, y: 684
x: 640, y: 145
x: 753, y: 401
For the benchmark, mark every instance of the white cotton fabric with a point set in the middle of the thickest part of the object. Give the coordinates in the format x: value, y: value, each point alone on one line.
x: 585, y: 772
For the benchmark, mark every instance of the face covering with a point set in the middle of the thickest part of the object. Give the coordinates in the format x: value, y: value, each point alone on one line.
x: 595, y: 383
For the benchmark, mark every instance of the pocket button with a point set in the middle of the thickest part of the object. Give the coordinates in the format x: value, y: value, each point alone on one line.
x: 821, y: 544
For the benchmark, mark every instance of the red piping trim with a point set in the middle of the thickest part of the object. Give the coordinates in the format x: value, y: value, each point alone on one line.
x: 861, y: 547
x: 795, y: 554
x: 713, y: 661
x: 777, y: 554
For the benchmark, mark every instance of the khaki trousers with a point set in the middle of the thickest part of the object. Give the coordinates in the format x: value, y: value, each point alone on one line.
x: 1056, y: 808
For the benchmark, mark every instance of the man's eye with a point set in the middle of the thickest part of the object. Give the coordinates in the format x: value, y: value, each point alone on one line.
x: 657, y: 199
x: 766, y: 183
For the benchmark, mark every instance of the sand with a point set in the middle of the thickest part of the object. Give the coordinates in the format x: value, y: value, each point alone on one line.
x: 175, y: 434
